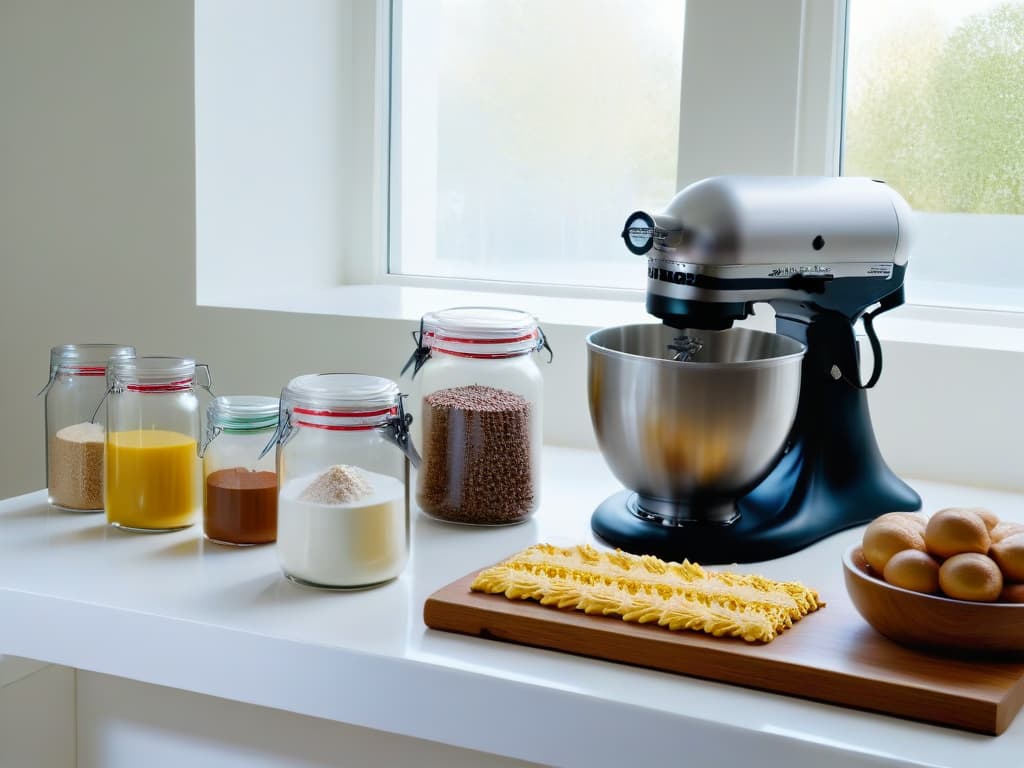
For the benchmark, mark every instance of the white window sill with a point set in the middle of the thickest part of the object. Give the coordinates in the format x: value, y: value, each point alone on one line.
x: 941, y: 326
x: 399, y: 302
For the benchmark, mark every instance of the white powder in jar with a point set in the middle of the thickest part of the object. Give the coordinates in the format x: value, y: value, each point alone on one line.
x: 354, y: 543
x: 339, y: 484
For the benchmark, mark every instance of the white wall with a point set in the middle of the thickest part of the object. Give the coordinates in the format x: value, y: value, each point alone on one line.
x: 97, y: 216
x: 37, y: 716
x: 275, y: 121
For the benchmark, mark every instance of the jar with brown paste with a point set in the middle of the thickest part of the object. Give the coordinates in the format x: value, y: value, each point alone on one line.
x: 239, y: 488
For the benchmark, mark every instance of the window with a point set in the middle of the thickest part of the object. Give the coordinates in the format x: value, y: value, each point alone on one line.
x: 935, y: 106
x: 416, y: 141
x: 526, y: 131
x: 522, y: 131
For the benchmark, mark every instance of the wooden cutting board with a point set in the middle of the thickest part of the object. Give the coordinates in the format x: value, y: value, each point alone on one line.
x: 831, y: 655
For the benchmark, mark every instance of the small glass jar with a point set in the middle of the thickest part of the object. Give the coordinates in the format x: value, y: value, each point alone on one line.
x: 74, y: 423
x: 152, y: 460
x: 239, y: 487
x: 343, y: 455
x: 481, y: 395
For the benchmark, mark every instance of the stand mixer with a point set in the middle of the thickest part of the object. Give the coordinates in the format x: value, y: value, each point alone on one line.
x: 738, y: 445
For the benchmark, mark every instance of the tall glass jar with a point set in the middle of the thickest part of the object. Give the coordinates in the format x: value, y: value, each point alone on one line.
x: 481, y: 396
x: 239, y: 487
x: 74, y: 423
x: 343, y: 456
x: 152, y: 459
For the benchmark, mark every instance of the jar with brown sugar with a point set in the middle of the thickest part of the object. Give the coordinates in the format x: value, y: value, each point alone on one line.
x: 75, y: 418
x: 239, y: 487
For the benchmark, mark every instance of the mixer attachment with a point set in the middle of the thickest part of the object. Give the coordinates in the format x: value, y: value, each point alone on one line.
x: 683, y: 348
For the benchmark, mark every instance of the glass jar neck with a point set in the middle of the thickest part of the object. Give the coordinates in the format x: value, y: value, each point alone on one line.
x: 481, y: 355
x: 158, y: 375
x: 479, y: 346
x: 237, y: 414
x: 72, y: 356
x: 342, y: 421
x: 83, y: 360
x: 164, y: 387
x: 81, y: 370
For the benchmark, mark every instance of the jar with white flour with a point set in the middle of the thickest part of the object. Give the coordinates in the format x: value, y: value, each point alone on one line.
x: 343, y: 455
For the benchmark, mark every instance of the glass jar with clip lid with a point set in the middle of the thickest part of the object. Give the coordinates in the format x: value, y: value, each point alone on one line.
x: 74, y: 424
x: 479, y: 410
x: 152, y: 458
x: 239, y: 487
x: 343, y: 455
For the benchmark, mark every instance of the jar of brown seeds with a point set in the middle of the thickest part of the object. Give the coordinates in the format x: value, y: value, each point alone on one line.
x: 479, y: 414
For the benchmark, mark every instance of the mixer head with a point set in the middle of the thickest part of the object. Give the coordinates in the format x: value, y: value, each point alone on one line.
x: 801, y: 243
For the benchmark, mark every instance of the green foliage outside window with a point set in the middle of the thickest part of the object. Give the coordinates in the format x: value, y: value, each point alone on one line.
x: 940, y: 115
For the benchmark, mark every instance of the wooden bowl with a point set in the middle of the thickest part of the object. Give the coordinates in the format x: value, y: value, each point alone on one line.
x: 930, y: 621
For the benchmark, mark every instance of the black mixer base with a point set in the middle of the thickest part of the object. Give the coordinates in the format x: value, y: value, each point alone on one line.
x: 752, y: 537
x: 743, y: 541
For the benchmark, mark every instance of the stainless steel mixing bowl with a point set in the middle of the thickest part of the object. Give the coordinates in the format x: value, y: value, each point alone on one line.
x: 691, y: 437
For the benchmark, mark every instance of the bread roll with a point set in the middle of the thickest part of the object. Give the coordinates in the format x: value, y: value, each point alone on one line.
x: 971, y: 576
x: 1012, y: 593
x: 913, y: 570
x: 987, y: 516
x: 956, y: 531
x: 1009, y: 556
x: 884, y: 538
x: 1005, y: 529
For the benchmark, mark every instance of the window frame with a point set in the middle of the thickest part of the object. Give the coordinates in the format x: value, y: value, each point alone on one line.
x: 805, y: 144
x: 787, y: 57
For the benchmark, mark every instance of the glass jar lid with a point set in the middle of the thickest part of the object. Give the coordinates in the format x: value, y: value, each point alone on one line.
x: 341, y: 394
x: 344, y: 402
x: 243, y: 413
x: 481, y: 331
x: 87, y: 359
x: 153, y: 374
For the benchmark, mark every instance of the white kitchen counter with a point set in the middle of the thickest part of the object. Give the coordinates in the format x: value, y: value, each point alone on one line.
x: 173, y: 610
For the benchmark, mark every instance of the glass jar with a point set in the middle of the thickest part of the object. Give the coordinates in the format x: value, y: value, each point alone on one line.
x: 239, y: 487
x: 343, y: 455
x: 152, y: 461
x: 479, y: 409
x: 74, y: 423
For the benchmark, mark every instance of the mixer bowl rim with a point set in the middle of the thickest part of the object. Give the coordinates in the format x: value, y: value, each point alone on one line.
x: 764, y: 362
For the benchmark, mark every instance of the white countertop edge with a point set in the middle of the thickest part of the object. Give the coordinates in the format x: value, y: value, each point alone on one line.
x: 402, y: 696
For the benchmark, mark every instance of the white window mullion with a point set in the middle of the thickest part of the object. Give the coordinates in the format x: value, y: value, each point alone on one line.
x: 740, y: 94
x: 414, y: 126
x: 366, y: 260
x: 818, y: 140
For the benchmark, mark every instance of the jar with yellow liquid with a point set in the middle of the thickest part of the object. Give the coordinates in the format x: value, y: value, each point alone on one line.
x: 153, y: 478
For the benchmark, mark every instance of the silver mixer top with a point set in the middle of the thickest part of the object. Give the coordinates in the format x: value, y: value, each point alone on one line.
x: 756, y: 236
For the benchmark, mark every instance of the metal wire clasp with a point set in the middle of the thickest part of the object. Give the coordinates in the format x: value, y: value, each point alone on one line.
x: 419, y: 355
x: 209, y: 436
x: 48, y: 384
x: 283, y: 431
x: 208, y: 386
x: 396, y: 429
x: 542, y: 343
